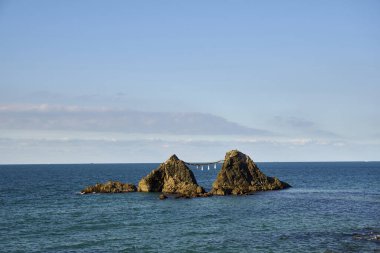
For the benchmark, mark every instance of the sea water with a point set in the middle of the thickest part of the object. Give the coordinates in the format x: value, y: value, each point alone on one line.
x: 332, y: 207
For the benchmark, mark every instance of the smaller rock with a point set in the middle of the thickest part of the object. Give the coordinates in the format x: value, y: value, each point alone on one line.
x: 185, y: 196
x: 193, y: 195
x: 110, y: 187
x: 162, y: 197
x: 206, y: 195
x: 369, y: 236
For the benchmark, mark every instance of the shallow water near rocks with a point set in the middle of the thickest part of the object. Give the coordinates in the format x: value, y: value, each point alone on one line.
x: 332, y: 207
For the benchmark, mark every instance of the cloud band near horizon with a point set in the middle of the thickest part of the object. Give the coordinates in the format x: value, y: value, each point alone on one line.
x: 45, y: 133
x: 56, y: 117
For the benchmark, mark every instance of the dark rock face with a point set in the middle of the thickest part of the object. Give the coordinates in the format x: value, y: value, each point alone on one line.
x: 172, y: 176
x: 240, y: 175
x: 110, y: 187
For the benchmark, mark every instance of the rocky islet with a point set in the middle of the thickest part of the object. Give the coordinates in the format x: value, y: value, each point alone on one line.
x: 239, y: 175
x: 173, y: 177
x: 110, y: 187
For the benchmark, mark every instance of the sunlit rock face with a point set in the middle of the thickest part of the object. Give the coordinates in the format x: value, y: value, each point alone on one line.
x: 172, y: 176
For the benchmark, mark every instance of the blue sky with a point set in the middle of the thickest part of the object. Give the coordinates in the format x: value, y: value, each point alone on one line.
x: 135, y: 81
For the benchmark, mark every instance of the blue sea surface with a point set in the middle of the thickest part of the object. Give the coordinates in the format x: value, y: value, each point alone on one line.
x: 332, y: 207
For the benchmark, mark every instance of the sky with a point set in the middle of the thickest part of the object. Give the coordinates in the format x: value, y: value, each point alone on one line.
x: 136, y: 81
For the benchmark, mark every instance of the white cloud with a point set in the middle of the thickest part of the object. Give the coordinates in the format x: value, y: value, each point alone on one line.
x: 108, y: 149
x: 47, y: 133
x: 57, y: 117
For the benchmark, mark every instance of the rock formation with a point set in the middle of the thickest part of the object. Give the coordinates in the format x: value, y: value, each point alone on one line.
x: 110, y: 187
x: 162, y: 197
x: 172, y: 176
x: 240, y: 175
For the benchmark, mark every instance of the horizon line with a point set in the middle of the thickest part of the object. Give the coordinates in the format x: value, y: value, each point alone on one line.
x: 101, y: 163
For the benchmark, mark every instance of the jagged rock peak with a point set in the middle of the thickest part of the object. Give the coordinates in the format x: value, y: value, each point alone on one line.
x: 173, y: 158
x: 240, y: 175
x: 236, y: 153
x: 172, y: 176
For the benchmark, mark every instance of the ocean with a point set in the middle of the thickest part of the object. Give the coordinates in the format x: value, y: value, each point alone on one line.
x: 332, y: 207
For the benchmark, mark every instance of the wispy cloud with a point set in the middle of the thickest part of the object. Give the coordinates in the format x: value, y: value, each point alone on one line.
x: 58, y: 117
x: 294, y: 122
x: 73, y: 150
x: 302, y: 125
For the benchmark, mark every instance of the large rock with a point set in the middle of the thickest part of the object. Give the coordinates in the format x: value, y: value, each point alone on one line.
x: 240, y: 175
x: 110, y: 187
x: 172, y: 176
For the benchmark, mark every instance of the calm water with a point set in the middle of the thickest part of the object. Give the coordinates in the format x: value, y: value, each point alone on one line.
x: 330, y: 203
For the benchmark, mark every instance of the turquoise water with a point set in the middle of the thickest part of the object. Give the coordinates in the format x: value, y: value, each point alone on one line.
x: 332, y: 207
